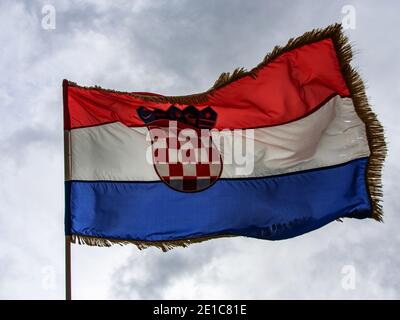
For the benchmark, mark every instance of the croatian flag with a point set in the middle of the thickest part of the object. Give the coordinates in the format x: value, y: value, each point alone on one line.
x: 270, y: 153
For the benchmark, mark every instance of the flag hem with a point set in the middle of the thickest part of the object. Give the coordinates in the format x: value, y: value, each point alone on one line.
x: 140, y: 244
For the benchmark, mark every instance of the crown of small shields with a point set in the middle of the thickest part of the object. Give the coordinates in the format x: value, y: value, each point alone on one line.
x: 204, y: 119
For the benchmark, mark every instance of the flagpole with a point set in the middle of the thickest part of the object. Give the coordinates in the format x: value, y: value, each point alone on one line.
x: 67, y: 166
x: 67, y: 267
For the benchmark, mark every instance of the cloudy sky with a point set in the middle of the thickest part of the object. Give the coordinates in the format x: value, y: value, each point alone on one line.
x: 175, y: 48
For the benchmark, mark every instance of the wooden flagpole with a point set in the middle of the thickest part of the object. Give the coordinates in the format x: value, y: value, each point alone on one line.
x: 67, y: 267
x: 67, y: 164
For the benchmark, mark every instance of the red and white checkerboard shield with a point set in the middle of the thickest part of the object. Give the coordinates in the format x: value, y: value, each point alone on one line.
x: 186, y: 159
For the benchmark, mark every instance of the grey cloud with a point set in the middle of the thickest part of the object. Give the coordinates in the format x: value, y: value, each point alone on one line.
x: 16, y: 145
x: 149, y: 274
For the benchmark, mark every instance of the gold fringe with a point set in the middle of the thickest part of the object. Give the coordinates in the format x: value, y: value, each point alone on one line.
x: 226, y: 77
x: 375, y: 133
x: 163, y: 245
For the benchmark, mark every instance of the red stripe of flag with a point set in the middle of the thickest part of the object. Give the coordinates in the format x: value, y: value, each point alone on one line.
x: 290, y: 87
